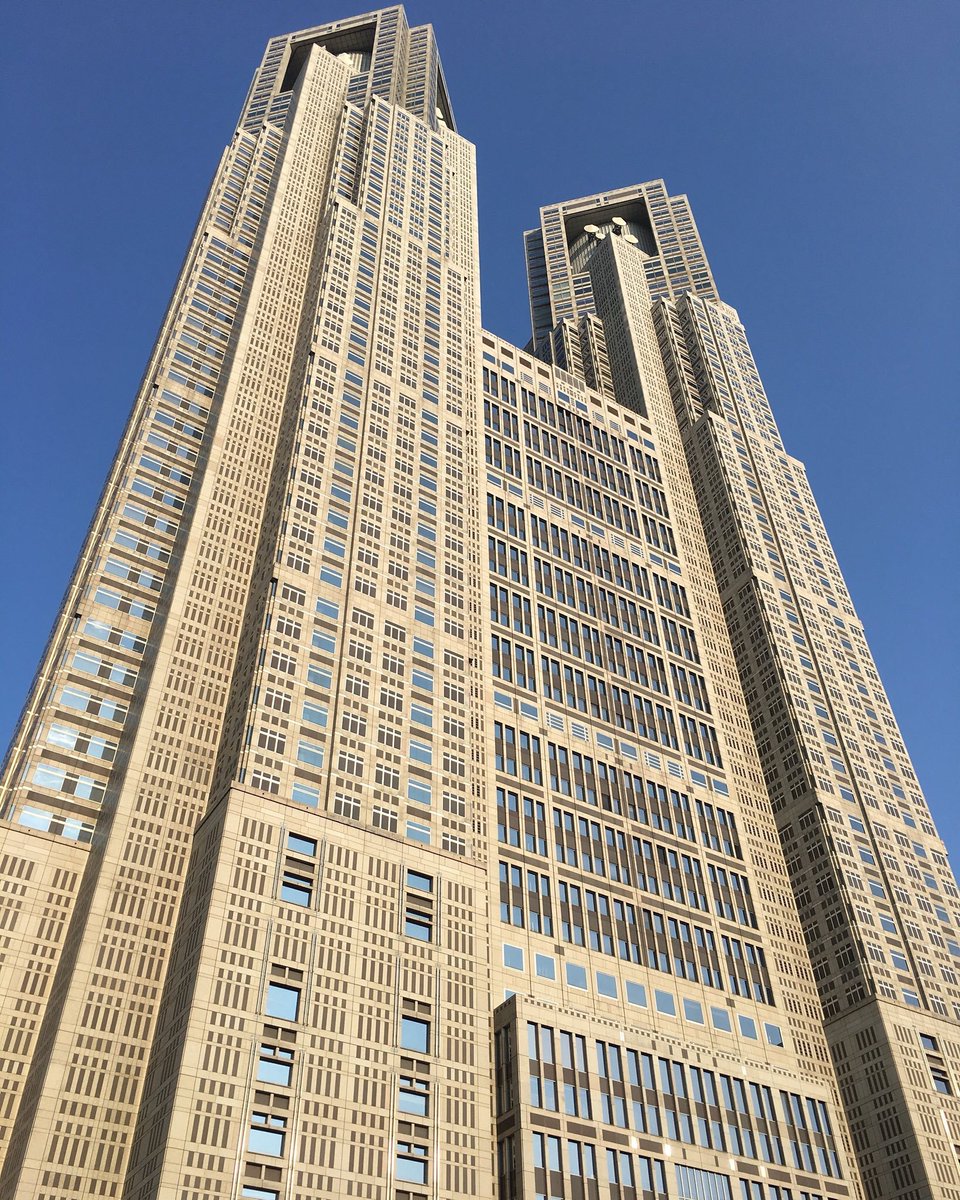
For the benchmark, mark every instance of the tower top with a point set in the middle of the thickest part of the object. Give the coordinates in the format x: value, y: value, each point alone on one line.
x: 387, y: 57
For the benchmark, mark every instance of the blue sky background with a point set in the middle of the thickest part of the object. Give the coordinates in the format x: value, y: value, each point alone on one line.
x: 817, y: 143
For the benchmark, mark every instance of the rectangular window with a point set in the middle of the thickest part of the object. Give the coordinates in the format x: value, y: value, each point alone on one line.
x: 282, y: 1002
x: 413, y: 1096
x: 546, y: 966
x: 310, y: 753
x: 296, y: 888
x: 324, y: 642
x: 419, y: 793
x: 385, y: 818
x: 275, y: 1065
x: 267, y: 1133
x: 417, y: 924
x: 302, y: 845
x: 415, y: 1035
x: 411, y: 1162
x: 693, y: 1183
x: 305, y: 795
x: 665, y: 1003
x: 606, y: 985
x: 693, y: 1011
x: 315, y: 714
x: 419, y: 751
x: 422, y: 715
x: 513, y: 957
x: 636, y: 994
x: 418, y: 832
x: 576, y: 976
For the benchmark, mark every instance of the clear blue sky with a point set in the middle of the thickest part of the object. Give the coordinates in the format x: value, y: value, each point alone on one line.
x: 816, y: 140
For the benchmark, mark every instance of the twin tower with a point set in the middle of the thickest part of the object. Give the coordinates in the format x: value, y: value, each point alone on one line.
x: 458, y: 769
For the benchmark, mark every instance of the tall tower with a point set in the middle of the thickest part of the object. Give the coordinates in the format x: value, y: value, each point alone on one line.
x: 386, y: 819
x: 875, y: 892
x: 242, y: 801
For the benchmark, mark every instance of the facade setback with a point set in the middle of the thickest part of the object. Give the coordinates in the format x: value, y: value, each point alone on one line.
x: 458, y: 769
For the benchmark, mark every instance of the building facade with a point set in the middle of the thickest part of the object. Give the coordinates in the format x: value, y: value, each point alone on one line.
x: 428, y: 787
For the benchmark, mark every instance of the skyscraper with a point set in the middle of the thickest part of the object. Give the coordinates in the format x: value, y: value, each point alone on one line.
x: 347, y: 855
x: 874, y: 890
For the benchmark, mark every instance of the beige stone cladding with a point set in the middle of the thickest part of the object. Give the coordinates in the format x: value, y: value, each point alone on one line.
x: 870, y: 876
x: 328, y: 1020
x: 593, y: 1101
x: 86, y: 1074
x: 875, y: 891
x: 638, y: 858
x: 438, y: 738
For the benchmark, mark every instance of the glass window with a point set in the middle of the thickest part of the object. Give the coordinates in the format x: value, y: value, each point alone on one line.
x: 319, y: 676
x: 421, y: 751
x: 296, y: 888
x: 414, y: 1095
x: 302, y: 845
x: 606, y: 985
x: 411, y: 1162
x: 418, y: 832
x: 415, y: 1035
x: 693, y: 1183
x: 303, y: 794
x: 748, y: 1027
x: 576, y: 976
x: 315, y: 714
x: 693, y: 1011
x: 35, y: 818
x: 721, y: 1019
x: 636, y: 994
x: 267, y: 1133
x: 419, y: 793
x: 665, y: 1002
x: 546, y: 967
x: 324, y: 641
x: 422, y: 715
x: 513, y: 957
x: 310, y: 753
x: 275, y: 1065
x: 417, y: 925
x: 282, y: 1002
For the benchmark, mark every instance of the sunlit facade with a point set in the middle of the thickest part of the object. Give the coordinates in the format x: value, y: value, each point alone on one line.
x: 397, y: 810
